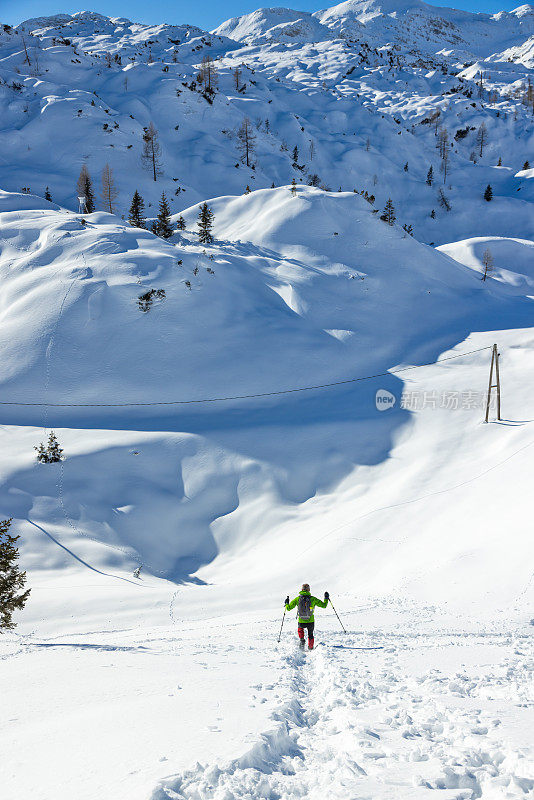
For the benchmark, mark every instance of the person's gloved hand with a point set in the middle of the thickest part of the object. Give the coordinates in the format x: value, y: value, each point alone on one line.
x: 326, y: 596
x: 287, y: 600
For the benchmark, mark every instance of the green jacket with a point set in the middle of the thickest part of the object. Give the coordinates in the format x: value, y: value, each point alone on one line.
x: 314, y: 602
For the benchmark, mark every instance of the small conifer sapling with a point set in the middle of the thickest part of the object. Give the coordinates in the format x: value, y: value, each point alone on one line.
x: 164, y: 224
x: 205, y: 224
x: 136, y: 216
x: 389, y: 213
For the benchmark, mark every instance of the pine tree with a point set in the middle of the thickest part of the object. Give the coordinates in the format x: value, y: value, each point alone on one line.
x: 488, y: 194
x: 12, y: 580
x: 55, y: 452
x: 151, y: 155
x: 526, y: 165
x: 84, y: 186
x: 164, y: 224
x: 389, y: 213
x: 246, y: 140
x: 430, y: 176
x: 109, y: 191
x: 48, y: 196
x: 247, y: 189
x: 205, y: 224
x: 499, y: 162
x: 294, y: 187
x: 42, y: 455
x: 136, y: 213
x: 180, y: 223
x: 406, y: 167
x: 433, y: 214
x: 295, y: 155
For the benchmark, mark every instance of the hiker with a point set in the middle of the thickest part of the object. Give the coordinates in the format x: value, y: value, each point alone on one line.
x: 306, y: 602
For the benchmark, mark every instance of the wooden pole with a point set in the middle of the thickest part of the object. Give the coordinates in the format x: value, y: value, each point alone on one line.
x: 497, y: 375
x: 496, y: 385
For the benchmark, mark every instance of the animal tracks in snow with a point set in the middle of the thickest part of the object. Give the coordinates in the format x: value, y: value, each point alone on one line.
x: 375, y: 726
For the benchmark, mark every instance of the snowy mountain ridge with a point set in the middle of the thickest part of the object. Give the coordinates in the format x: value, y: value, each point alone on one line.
x: 416, y: 24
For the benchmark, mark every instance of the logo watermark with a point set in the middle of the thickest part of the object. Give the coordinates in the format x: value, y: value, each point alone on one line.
x: 384, y: 400
x: 450, y: 400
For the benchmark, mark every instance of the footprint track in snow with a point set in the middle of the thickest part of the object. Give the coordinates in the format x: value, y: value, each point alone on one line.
x: 348, y: 732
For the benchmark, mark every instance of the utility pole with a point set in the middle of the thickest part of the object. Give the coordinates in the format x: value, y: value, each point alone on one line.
x: 497, y: 385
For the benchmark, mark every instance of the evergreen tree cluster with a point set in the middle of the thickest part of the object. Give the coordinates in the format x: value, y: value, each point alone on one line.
x: 51, y: 453
x: 146, y: 300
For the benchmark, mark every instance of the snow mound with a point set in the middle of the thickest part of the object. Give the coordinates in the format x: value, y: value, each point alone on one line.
x: 512, y: 260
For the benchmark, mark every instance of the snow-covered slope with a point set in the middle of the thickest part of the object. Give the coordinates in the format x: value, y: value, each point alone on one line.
x: 359, y: 110
x: 304, y: 400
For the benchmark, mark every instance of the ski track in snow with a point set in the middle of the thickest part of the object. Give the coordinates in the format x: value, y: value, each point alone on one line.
x: 350, y: 728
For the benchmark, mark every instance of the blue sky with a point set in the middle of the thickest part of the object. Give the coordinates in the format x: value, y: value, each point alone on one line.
x: 206, y: 14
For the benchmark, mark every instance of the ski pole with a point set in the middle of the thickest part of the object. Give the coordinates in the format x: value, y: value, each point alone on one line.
x: 337, y: 615
x: 281, y: 626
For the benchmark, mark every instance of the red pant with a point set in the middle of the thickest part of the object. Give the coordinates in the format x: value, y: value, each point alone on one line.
x: 309, y: 626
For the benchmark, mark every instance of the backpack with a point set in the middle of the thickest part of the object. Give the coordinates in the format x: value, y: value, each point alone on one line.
x: 304, y: 607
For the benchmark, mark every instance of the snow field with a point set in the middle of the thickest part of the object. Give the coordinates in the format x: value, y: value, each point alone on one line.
x: 416, y: 519
x: 110, y: 711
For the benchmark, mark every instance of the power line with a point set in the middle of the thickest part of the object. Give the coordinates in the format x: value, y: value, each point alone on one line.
x: 245, y: 396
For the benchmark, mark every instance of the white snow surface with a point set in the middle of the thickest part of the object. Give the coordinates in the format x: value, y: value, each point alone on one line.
x: 185, y: 454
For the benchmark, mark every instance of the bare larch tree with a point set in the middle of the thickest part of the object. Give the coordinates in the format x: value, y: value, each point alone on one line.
x: 151, y: 155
